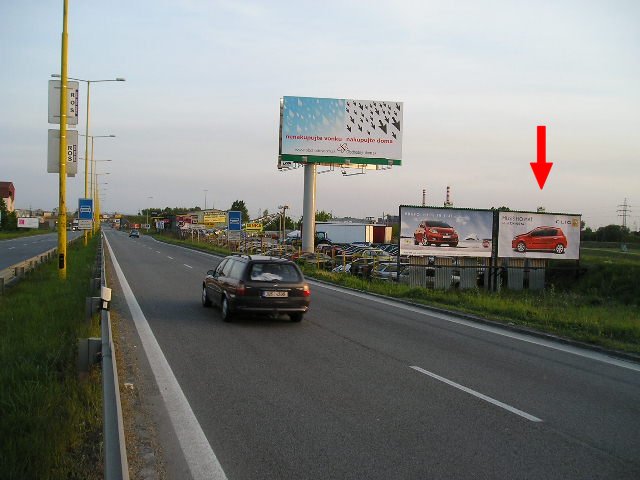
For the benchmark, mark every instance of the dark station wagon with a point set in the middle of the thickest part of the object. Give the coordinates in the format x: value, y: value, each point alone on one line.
x: 256, y: 284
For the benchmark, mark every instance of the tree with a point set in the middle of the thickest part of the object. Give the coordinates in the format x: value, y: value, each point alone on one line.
x: 3, y: 214
x: 323, y: 216
x: 239, y: 205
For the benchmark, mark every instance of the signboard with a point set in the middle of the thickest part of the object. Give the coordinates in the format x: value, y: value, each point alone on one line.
x: 28, y: 222
x: 234, y: 221
x: 254, y: 227
x: 341, y: 131
x: 84, y: 224
x: 53, y: 152
x: 539, y: 235
x: 449, y: 232
x: 85, y: 208
x: 72, y: 101
x: 211, y: 219
x: 183, y: 221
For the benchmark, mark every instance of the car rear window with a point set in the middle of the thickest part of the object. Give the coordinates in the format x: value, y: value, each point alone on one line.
x: 274, y: 272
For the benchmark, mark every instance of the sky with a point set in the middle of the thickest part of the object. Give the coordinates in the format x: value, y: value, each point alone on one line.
x: 198, y: 116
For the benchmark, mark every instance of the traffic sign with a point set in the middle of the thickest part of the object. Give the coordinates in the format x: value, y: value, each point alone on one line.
x: 85, y: 208
x: 234, y: 221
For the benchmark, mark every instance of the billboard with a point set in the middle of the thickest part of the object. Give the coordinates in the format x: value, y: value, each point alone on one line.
x: 341, y: 131
x: 72, y: 101
x: 53, y: 152
x: 211, y: 219
x: 28, y: 222
x: 253, y: 226
x: 539, y: 235
x: 453, y: 232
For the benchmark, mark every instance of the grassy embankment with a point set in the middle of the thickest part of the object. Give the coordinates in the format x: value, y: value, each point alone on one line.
x: 600, y: 307
x: 27, y: 232
x: 50, y: 420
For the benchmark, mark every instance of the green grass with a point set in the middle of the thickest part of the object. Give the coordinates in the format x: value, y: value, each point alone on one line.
x: 25, y: 232
x: 50, y: 420
x: 599, y: 307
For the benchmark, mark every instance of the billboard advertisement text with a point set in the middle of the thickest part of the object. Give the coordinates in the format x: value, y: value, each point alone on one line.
x: 341, y: 131
x: 450, y: 232
x: 539, y: 235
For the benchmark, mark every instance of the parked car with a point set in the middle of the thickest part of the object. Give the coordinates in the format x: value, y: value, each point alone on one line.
x: 434, y: 232
x: 551, y: 239
x: 386, y: 271
x: 319, y: 260
x: 134, y: 233
x: 257, y: 284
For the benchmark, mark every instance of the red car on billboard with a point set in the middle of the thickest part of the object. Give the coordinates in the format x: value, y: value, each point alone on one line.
x: 551, y: 239
x: 436, y: 233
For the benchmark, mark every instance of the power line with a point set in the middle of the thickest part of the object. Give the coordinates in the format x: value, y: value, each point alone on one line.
x: 624, y: 212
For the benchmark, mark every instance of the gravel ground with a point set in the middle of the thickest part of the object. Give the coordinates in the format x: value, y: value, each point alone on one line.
x: 144, y: 451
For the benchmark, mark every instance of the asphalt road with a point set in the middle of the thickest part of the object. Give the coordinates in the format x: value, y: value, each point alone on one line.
x: 16, y: 250
x: 366, y: 388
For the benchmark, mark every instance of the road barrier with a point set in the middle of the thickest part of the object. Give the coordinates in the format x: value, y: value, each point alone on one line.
x: 19, y: 270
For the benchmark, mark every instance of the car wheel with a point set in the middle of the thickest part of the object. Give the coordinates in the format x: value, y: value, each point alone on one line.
x: 521, y: 247
x: 415, y: 242
x: 559, y: 248
x: 296, y: 317
x: 206, y: 302
x: 454, y: 244
x: 225, y: 310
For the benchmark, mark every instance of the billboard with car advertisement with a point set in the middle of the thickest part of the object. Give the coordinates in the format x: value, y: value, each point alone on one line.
x: 539, y: 235
x: 341, y: 131
x: 453, y: 232
x: 28, y: 222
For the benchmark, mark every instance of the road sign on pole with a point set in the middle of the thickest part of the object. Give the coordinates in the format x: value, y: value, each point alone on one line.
x: 234, y: 221
x: 72, y: 102
x: 85, y: 213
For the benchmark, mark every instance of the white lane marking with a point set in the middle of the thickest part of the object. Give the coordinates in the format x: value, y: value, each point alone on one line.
x: 479, y: 395
x: 202, y: 461
x: 212, y: 254
x: 11, y: 248
x: 157, y: 251
x: 188, y: 266
x: 170, y: 258
x: 596, y: 356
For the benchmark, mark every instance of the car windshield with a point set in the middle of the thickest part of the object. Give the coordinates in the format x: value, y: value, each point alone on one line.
x: 438, y: 224
x: 274, y: 272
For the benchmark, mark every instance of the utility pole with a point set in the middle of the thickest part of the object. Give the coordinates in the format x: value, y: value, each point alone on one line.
x: 624, y: 211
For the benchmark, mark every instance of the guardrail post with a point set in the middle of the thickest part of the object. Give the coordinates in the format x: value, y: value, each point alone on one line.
x: 92, y: 307
x: 89, y: 350
x: 20, y: 272
x: 1, y: 285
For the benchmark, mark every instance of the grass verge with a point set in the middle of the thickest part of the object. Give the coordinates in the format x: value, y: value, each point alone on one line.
x: 50, y: 420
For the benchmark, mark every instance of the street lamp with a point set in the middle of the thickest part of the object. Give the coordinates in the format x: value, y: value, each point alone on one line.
x: 86, y: 143
x: 205, y: 198
x: 86, y: 157
x: 148, y: 198
x: 283, y: 221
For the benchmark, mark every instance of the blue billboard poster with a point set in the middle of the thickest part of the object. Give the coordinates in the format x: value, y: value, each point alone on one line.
x: 449, y: 232
x: 234, y: 221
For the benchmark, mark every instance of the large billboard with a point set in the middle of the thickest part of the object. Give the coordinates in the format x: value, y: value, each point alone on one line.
x: 28, y: 222
x: 539, y: 235
x: 450, y: 232
x: 341, y: 131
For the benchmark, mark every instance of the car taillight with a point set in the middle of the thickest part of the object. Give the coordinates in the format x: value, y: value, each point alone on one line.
x: 306, y: 291
x: 240, y: 289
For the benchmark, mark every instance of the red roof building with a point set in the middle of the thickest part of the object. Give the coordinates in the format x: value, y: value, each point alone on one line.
x: 8, y: 194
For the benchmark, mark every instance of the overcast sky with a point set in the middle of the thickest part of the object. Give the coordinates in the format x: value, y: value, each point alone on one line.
x: 200, y: 106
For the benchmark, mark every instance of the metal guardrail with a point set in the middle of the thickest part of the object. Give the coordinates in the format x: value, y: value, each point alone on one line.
x: 17, y: 271
x: 116, y: 466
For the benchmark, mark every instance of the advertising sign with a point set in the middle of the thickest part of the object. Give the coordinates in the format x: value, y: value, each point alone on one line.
x: 341, y: 131
x: 539, y: 235
x: 72, y: 102
x: 28, y: 222
x: 450, y: 232
x: 235, y: 221
x: 211, y: 219
x: 254, y: 227
x: 53, y: 152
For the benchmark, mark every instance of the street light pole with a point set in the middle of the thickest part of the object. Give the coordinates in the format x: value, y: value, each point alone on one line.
x: 148, y: 198
x: 205, y: 198
x: 62, y: 190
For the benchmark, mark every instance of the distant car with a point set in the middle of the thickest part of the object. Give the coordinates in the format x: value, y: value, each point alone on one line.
x: 550, y: 239
x: 433, y: 232
x: 387, y: 271
x: 257, y: 284
x: 134, y: 233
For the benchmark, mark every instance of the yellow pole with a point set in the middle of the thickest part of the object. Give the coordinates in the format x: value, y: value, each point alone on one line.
x: 86, y: 159
x: 94, y: 180
x: 62, y: 191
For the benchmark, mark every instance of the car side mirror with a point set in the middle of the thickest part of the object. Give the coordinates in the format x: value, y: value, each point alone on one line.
x: 211, y: 273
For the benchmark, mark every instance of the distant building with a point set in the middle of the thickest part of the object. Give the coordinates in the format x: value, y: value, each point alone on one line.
x: 8, y: 194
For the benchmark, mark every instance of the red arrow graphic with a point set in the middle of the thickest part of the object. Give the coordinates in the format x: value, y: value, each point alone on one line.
x: 541, y: 168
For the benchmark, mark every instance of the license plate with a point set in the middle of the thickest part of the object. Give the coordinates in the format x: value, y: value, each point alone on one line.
x: 271, y: 294
x: 445, y: 236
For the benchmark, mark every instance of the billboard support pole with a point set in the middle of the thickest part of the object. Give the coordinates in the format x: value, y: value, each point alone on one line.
x: 309, y: 208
